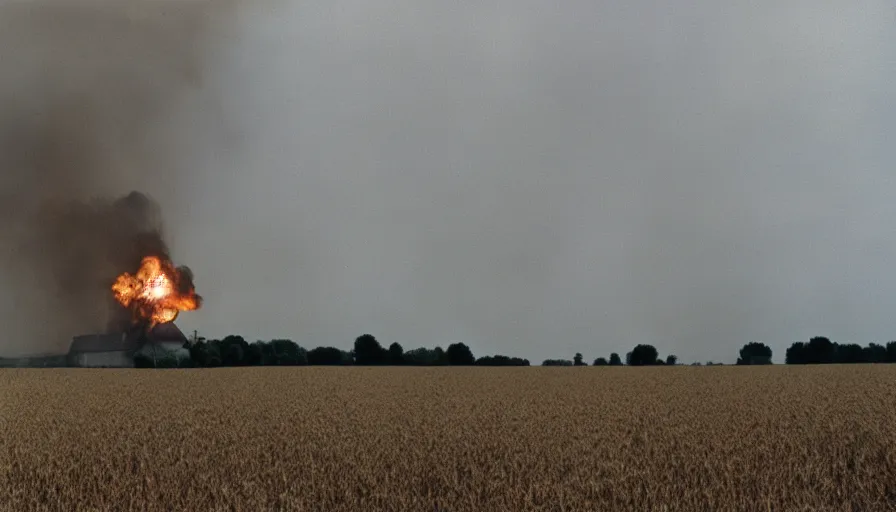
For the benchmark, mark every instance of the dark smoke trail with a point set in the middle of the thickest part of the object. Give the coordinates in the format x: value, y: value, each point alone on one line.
x: 86, y: 91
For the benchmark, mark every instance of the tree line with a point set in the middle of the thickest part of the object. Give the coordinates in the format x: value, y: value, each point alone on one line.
x: 236, y: 351
x: 367, y: 351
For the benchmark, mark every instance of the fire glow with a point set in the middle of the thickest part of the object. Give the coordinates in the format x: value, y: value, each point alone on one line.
x: 157, y: 293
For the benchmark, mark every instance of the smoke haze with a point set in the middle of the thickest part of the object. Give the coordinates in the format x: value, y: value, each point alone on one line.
x: 87, y: 90
x: 530, y: 178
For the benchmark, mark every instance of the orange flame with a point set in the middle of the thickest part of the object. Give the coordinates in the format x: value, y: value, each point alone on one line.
x: 157, y: 293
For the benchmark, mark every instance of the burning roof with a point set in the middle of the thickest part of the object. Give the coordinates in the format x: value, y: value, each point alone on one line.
x: 157, y: 293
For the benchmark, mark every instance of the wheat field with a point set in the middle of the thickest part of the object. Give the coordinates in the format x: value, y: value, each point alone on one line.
x: 449, y: 439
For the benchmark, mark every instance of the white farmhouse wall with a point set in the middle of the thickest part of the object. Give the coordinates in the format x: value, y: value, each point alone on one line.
x: 105, y: 359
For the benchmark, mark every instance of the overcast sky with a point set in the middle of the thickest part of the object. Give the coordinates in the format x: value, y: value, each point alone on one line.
x: 538, y: 179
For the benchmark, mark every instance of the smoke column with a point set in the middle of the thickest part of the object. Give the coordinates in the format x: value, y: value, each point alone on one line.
x: 88, y: 90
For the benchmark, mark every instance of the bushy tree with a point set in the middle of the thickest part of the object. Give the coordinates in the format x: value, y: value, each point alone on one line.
x: 671, y: 360
x: 643, y: 355
x: 327, y: 356
x: 874, y: 353
x: 368, y: 351
x: 396, y: 354
x: 499, y: 360
x: 797, y: 353
x: 601, y: 361
x: 615, y: 360
x: 441, y: 356
x: 821, y: 350
x: 577, y: 360
x: 199, y: 354
x: 557, y: 362
x: 755, y: 353
x: 255, y: 354
x: 850, y: 353
x: 421, y: 357
x: 233, y: 350
x: 459, y: 354
x: 284, y: 352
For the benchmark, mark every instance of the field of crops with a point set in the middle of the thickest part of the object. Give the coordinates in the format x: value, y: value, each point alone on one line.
x: 452, y: 439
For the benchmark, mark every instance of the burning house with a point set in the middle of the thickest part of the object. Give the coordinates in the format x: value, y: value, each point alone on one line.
x: 150, y: 300
x: 102, y: 351
x: 119, y: 350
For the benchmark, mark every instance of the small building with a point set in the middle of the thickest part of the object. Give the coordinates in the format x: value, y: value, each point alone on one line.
x: 102, y: 351
x: 165, y: 341
x: 118, y: 350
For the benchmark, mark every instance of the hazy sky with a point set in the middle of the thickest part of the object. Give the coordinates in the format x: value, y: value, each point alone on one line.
x: 539, y: 179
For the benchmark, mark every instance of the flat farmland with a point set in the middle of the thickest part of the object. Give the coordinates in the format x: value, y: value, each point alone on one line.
x: 450, y: 439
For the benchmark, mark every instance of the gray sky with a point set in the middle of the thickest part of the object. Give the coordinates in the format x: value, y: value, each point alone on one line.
x: 538, y: 179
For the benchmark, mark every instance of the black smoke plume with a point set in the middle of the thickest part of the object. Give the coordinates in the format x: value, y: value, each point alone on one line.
x: 88, y: 91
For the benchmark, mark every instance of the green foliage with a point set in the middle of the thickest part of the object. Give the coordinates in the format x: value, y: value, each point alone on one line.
x: 755, y: 353
x: 459, y: 354
x: 396, y: 354
x: 499, y: 360
x: 643, y: 355
x: 368, y: 351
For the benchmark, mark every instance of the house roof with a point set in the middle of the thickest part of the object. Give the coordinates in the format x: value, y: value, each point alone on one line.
x: 162, y: 333
x: 167, y: 333
x: 102, y: 343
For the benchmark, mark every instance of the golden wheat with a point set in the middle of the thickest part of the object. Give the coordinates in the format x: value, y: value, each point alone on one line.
x: 449, y: 439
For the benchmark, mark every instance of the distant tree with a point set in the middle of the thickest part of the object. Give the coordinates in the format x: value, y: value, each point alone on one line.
x: 821, y: 350
x: 255, y: 354
x: 329, y: 356
x: 420, y: 357
x: 557, y: 362
x: 849, y: 353
x: 577, y: 360
x: 283, y: 352
x: 233, y: 355
x: 199, y: 354
x: 755, y: 353
x: 600, y: 361
x: 441, y: 358
x: 797, y: 353
x: 628, y: 358
x: 615, y: 360
x: 874, y: 353
x: 499, y: 360
x: 396, y: 354
x: 233, y: 350
x: 168, y: 361
x: 368, y: 351
x: 671, y: 359
x: 213, y: 354
x: 459, y: 354
x: 643, y: 355
x: 891, y: 352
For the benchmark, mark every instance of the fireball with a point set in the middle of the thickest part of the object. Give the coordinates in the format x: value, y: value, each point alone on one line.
x: 157, y: 293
